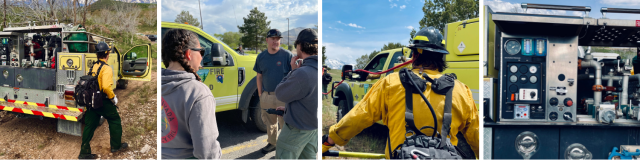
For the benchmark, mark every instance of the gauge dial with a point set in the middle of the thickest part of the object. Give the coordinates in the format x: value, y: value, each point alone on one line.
x: 512, y: 47
x: 533, y: 79
x: 513, y: 78
x: 513, y: 68
x: 533, y: 69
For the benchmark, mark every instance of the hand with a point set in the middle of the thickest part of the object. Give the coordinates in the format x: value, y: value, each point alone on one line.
x: 293, y: 63
x: 281, y: 108
x: 114, y: 100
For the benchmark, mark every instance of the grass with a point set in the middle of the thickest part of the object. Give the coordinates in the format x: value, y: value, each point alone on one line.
x: 2, y: 154
x: 370, y: 140
x: 250, y: 52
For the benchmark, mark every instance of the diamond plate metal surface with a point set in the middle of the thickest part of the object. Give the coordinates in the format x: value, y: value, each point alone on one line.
x: 487, y: 142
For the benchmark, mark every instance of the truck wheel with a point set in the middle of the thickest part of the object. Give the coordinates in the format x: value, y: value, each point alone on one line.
x: 122, y: 84
x: 343, y: 109
x: 256, y: 116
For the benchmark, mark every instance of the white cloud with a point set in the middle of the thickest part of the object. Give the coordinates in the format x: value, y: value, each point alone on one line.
x: 394, y: 5
x: 344, y: 53
x: 337, y: 29
x: 352, y: 25
x: 621, y: 2
x: 402, y: 7
x: 228, y: 14
x: 409, y: 27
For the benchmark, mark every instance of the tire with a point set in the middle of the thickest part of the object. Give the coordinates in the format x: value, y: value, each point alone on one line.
x: 256, y: 116
x: 122, y: 84
x: 343, y: 109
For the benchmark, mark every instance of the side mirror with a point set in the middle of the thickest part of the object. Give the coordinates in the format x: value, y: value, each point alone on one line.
x: 218, y: 55
x: 347, y: 72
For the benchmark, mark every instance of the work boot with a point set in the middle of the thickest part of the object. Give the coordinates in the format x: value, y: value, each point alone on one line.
x: 88, y: 156
x: 122, y: 147
x: 268, y: 148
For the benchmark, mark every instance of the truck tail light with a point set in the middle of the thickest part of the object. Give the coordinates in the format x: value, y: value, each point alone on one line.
x: 69, y: 92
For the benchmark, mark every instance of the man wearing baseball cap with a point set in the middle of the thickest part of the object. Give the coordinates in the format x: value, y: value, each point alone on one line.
x: 271, y: 65
x: 299, y: 90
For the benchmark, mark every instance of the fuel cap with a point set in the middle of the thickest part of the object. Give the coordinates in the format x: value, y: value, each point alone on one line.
x: 527, y: 144
x: 577, y: 151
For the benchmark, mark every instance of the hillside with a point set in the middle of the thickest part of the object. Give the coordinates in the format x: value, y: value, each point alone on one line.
x: 108, y: 4
x: 293, y: 34
x: 334, y: 64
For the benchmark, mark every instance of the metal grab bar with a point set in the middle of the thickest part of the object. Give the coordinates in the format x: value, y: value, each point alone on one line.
x: 585, y: 9
x: 604, y: 11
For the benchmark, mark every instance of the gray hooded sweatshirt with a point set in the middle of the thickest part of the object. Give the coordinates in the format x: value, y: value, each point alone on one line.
x: 189, y: 127
x: 299, y: 89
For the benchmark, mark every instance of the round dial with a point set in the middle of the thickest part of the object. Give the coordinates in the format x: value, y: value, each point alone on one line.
x: 513, y: 78
x: 533, y: 69
x: 513, y: 68
x: 553, y: 116
x: 533, y: 79
x: 523, y: 79
x: 512, y: 47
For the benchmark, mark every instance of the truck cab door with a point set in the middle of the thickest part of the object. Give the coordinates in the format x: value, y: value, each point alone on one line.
x: 135, y: 63
x: 219, y: 73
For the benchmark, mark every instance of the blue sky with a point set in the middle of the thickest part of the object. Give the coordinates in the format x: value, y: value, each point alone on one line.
x: 509, y: 5
x: 356, y: 27
x: 220, y: 16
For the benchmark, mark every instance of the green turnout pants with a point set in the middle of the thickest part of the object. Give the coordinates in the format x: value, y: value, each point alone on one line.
x: 92, y: 120
x: 294, y: 143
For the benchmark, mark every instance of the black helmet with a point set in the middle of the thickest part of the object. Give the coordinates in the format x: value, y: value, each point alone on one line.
x: 102, y: 47
x: 430, y: 39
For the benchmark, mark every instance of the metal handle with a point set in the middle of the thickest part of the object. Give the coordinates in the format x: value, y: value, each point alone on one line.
x: 604, y: 11
x: 585, y: 9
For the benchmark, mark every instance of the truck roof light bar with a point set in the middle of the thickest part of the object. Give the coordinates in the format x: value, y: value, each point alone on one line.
x: 585, y: 9
x: 604, y: 11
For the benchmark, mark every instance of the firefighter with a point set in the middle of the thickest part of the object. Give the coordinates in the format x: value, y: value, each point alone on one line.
x: 108, y: 110
x: 386, y: 101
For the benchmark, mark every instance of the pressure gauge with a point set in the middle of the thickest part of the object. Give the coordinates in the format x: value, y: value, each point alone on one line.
x: 527, y: 47
x: 533, y: 69
x: 512, y: 47
x: 513, y: 68
x: 533, y: 79
x: 513, y: 79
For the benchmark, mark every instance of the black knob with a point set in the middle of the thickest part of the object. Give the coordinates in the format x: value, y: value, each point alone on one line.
x: 567, y: 116
x: 553, y: 101
x: 553, y: 116
x: 533, y: 94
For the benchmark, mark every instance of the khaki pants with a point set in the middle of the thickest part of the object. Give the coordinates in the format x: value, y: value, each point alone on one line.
x: 273, y: 122
x: 295, y: 143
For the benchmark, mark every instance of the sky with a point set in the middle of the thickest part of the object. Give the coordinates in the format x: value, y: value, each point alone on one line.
x: 225, y: 15
x: 356, y: 27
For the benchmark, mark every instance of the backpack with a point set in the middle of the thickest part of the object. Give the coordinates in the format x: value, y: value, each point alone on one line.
x: 417, y: 145
x: 88, y: 91
x: 326, y: 78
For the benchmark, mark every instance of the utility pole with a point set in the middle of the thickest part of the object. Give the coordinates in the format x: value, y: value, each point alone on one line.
x: 288, y: 46
x: 201, y: 23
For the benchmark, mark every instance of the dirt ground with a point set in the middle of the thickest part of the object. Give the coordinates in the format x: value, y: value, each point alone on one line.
x: 33, y: 138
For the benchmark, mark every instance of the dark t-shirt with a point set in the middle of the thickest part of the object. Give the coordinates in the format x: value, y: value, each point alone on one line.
x: 273, y: 68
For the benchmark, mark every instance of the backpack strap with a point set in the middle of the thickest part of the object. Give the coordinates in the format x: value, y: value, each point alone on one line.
x: 446, y: 120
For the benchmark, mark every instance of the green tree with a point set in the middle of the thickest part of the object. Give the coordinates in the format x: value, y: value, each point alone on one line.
x: 184, y: 16
x: 230, y: 38
x: 324, y: 56
x: 254, y: 29
x: 413, y: 34
x: 437, y: 13
x: 362, y: 61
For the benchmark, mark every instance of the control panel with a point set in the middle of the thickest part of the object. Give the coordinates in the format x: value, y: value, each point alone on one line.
x: 522, y: 82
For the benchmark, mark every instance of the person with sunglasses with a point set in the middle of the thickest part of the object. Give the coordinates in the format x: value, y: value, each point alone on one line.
x: 271, y: 65
x: 189, y: 128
